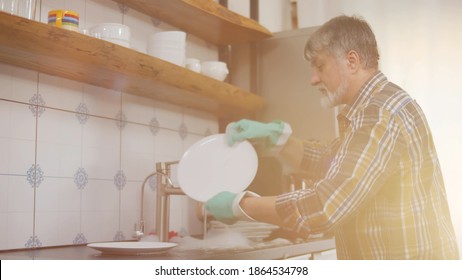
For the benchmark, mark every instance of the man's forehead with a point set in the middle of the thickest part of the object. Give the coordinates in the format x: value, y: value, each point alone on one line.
x: 318, y: 57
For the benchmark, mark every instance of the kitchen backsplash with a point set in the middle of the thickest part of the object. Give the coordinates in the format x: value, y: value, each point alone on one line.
x: 74, y: 156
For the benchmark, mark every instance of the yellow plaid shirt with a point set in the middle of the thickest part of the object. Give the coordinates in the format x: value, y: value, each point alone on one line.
x: 380, y: 190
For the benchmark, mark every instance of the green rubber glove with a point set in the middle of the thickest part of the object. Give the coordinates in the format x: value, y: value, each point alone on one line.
x: 221, y: 207
x: 225, y: 207
x: 248, y: 129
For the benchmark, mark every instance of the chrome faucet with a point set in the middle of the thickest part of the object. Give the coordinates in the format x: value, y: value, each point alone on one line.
x: 165, y: 188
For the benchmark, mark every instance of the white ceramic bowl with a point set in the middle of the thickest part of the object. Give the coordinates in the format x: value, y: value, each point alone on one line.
x: 111, y: 31
x: 215, y: 69
x: 193, y: 64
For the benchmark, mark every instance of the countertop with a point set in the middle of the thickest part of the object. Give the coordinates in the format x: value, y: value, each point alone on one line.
x: 82, y: 252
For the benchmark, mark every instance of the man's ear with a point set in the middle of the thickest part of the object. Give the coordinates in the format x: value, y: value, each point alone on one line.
x: 353, y: 61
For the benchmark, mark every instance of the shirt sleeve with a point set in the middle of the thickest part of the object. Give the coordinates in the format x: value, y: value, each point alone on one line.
x: 367, y: 155
x: 316, y: 158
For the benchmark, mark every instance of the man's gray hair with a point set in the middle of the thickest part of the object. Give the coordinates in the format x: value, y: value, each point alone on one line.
x: 341, y: 35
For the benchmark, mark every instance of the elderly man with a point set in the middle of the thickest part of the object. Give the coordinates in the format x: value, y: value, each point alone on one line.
x: 379, y: 187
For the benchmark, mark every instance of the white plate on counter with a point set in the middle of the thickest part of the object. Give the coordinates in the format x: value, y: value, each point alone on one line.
x: 132, y: 248
x: 211, y: 166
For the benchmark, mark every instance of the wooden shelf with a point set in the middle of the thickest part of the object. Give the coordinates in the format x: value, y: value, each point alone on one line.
x: 205, y: 19
x: 55, y: 51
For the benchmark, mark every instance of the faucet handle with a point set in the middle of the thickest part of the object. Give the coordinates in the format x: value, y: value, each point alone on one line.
x: 139, y: 233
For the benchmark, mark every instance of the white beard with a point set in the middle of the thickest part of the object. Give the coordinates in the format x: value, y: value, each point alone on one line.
x: 332, y: 99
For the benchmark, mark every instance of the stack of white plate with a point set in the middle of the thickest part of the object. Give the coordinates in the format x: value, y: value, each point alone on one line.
x: 255, y: 231
x: 169, y: 46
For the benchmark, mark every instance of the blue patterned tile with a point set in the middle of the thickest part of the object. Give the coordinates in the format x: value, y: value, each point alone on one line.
x: 119, y: 236
x: 121, y: 120
x: 33, y: 242
x: 37, y: 105
x: 35, y: 176
x: 183, y: 131
x: 120, y: 180
x: 82, y: 113
x: 154, y: 126
x: 80, y: 239
x: 81, y: 178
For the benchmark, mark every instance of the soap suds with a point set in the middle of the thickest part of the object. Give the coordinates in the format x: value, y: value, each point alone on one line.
x: 215, y: 240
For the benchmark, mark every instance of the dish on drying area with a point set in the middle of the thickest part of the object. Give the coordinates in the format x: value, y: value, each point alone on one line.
x: 211, y: 166
x: 132, y: 248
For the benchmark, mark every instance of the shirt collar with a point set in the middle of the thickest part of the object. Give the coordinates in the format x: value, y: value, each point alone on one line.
x: 349, y: 110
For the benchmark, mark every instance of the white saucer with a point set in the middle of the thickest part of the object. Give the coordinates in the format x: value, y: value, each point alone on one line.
x: 132, y: 248
x: 210, y: 166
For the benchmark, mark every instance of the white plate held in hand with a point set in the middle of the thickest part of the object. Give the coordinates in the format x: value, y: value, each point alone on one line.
x: 210, y: 166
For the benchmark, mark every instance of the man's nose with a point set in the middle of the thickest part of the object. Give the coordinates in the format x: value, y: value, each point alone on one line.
x: 314, y: 79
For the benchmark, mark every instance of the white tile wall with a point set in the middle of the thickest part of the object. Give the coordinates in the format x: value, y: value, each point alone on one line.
x: 74, y: 156
x: 18, y: 84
